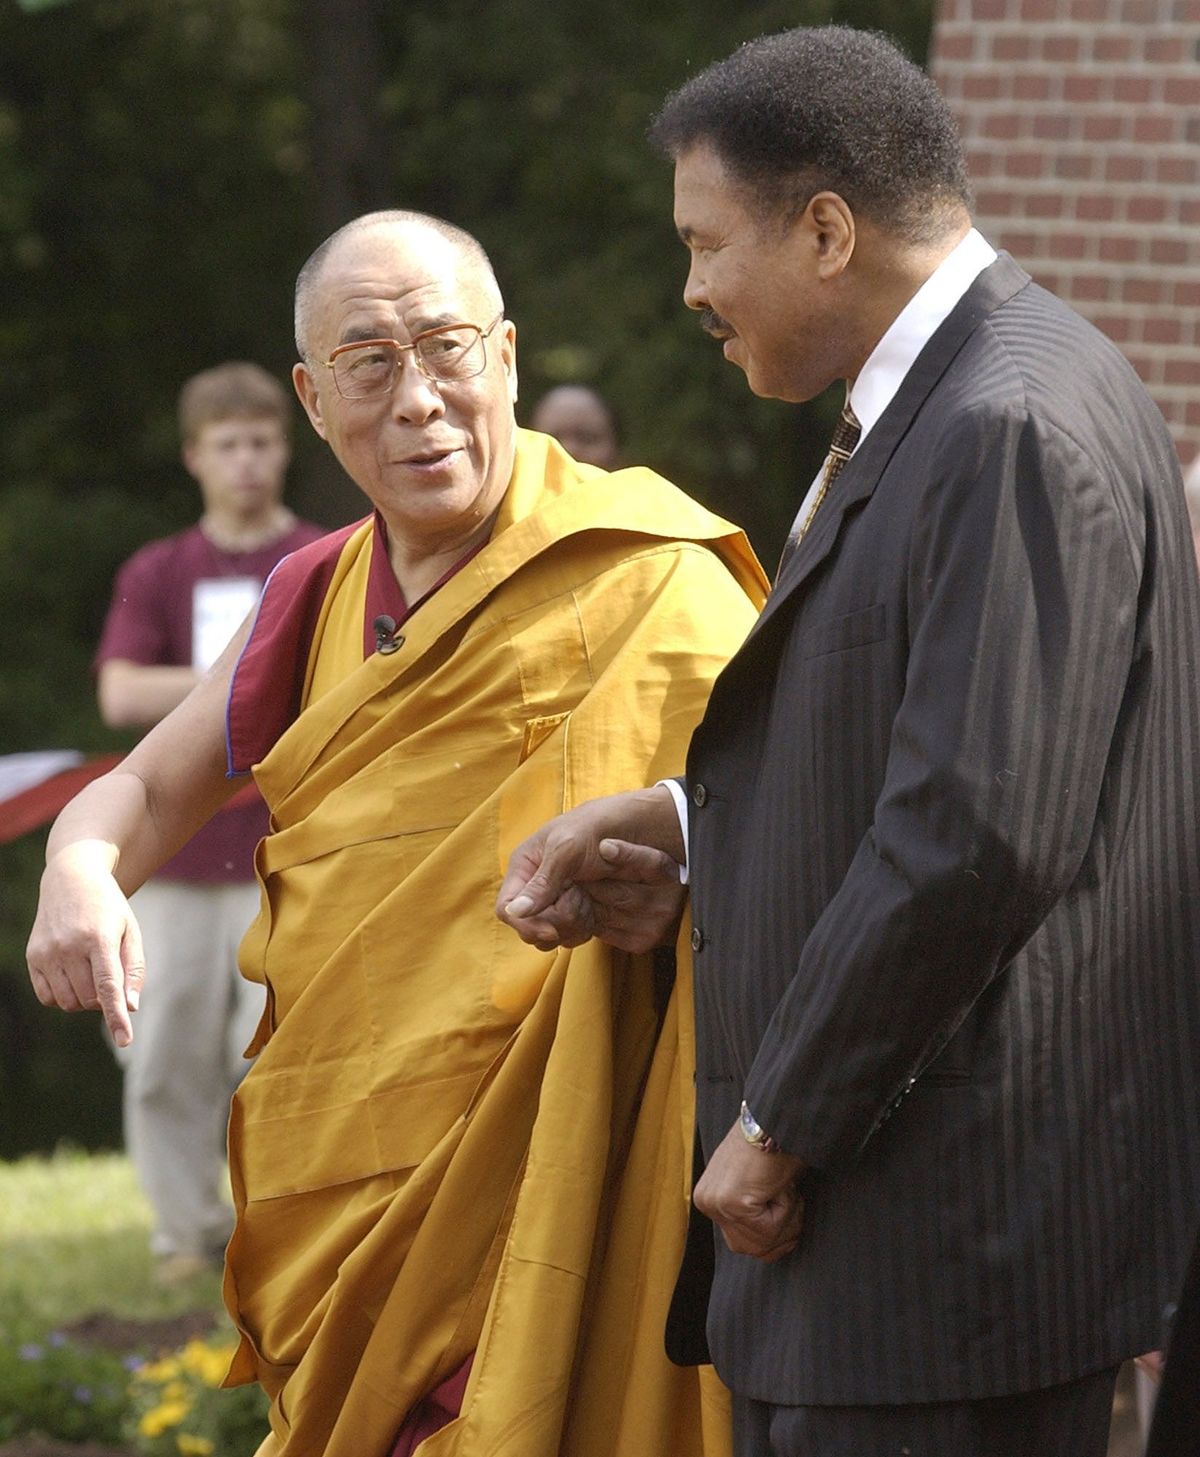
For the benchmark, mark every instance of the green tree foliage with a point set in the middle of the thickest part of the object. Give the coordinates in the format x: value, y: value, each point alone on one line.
x: 165, y: 167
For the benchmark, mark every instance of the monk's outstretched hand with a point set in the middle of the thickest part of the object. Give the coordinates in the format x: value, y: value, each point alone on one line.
x: 609, y: 868
x: 85, y: 950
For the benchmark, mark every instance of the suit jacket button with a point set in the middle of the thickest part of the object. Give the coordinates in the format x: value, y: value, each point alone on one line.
x: 697, y: 939
x: 699, y: 796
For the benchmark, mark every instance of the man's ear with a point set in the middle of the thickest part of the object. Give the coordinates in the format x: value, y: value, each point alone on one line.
x: 831, y: 226
x: 306, y: 392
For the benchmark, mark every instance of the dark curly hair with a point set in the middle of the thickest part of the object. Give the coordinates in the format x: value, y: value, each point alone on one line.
x: 826, y: 107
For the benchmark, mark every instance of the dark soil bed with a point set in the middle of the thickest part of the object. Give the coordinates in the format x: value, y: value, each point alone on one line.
x: 155, y: 1337
x: 54, y: 1447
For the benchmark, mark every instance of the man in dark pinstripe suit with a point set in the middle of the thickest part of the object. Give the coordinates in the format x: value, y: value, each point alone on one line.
x: 941, y: 817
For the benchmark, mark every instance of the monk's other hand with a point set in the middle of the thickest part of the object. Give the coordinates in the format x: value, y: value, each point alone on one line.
x: 752, y: 1197
x: 630, y: 844
x: 85, y: 949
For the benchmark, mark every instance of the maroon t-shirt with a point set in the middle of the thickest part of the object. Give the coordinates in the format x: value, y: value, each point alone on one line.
x: 152, y: 621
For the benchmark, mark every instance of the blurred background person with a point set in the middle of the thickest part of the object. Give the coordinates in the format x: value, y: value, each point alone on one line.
x: 175, y: 604
x: 583, y: 423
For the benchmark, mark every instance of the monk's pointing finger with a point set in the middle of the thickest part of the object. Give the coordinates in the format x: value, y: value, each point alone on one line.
x: 109, y: 977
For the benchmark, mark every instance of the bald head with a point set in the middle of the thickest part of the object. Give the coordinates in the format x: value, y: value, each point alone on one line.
x: 474, y: 260
x: 582, y: 421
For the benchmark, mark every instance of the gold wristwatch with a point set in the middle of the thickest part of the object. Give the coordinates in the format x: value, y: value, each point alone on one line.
x: 752, y: 1133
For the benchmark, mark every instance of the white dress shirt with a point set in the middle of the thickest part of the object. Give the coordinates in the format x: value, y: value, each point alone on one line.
x: 882, y: 375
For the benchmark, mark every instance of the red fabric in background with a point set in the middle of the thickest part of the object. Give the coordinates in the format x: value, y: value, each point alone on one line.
x: 37, y: 805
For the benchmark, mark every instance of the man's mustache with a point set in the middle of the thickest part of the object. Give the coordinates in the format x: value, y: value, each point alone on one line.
x: 712, y: 323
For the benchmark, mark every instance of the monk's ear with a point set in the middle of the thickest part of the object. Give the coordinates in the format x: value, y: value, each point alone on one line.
x: 306, y: 392
x: 508, y: 356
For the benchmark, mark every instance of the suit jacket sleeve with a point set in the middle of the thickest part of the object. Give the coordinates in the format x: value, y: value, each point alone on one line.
x: 1021, y: 615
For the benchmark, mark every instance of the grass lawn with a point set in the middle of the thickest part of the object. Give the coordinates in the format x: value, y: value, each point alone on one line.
x: 74, y: 1232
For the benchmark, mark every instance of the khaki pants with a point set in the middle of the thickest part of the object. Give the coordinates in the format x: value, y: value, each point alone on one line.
x: 197, y: 1014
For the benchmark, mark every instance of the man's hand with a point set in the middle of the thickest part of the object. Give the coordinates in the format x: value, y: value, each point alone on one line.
x: 85, y: 950
x: 1152, y: 1363
x: 751, y: 1196
x: 609, y: 868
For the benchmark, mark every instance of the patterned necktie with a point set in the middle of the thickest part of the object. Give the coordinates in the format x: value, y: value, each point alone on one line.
x: 841, y: 448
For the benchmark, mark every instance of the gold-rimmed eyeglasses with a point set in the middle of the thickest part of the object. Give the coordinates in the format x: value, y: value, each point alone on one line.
x: 445, y: 355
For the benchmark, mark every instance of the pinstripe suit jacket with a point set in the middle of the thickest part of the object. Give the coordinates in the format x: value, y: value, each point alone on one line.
x: 946, y: 888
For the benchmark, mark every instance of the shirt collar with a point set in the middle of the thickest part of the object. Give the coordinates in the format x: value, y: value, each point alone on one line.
x: 915, y: 324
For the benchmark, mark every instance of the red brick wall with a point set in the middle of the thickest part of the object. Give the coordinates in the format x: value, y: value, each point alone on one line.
x: 1081, y: 121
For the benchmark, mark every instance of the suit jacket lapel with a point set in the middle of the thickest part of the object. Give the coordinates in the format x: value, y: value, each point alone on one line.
x: 861, y: 473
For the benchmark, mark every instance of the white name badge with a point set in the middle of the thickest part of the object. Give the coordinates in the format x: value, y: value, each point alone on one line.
x: 219, y: 605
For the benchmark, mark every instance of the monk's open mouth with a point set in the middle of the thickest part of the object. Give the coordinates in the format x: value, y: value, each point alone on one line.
x: 429, y: 461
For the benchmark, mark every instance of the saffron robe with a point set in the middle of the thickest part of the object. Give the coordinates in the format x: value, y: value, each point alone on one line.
x: 451, y: 1142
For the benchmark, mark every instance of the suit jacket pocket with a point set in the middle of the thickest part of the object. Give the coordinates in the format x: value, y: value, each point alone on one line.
x: 954, y: 1063
x: 853, y: 630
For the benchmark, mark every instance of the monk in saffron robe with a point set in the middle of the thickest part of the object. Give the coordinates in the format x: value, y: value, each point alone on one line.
x: 459, y: 1163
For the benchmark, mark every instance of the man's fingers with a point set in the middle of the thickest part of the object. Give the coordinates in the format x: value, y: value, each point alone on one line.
x: 627, y: 861
x: 540, y: 872
x: 768, y: 1236
x: 522, y: 864
x: 569, y: 921
x: 1152, y: 1363
x: 770, y: 1256
x: 752, y: 1197
x: 635, y: 915
x: 537, y: 894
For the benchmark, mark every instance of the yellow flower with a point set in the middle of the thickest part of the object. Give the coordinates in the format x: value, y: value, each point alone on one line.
x: 193, y: 1446
x: 160, y: 1371
x: 193, y: 1355
x: 209, y: 1363
x: 151, y: 1423
x: 165, y: 1414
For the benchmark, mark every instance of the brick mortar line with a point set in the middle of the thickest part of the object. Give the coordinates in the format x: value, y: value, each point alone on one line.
x: 1157, y: 79
x: 1083, y: 30
x: 1046, y: 187
x: 1142, y: 190
x: 1076, y: 147
x: 1116, y: 231
x: 957, y: 25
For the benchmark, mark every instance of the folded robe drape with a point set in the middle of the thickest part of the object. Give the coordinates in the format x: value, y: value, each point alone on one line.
x: 452, y: 1143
